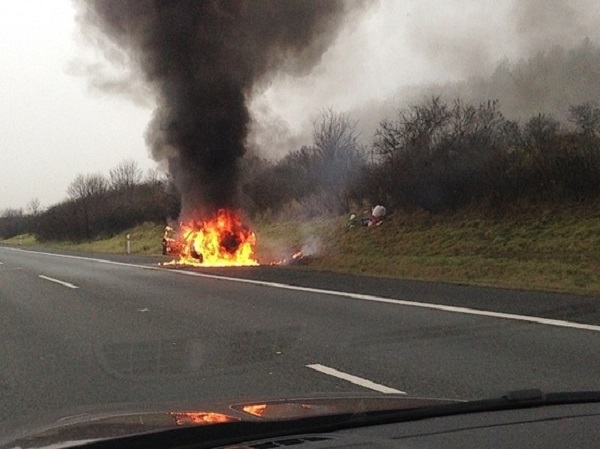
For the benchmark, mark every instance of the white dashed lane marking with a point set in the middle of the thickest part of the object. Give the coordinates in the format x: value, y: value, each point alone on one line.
x: 58, y: 281
x: 366, y: 383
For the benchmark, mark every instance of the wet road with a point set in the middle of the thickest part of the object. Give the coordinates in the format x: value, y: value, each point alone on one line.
x: 80, y: 331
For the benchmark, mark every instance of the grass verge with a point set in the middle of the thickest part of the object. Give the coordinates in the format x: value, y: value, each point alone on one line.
x: 542, y: 248
x: 145, y: 239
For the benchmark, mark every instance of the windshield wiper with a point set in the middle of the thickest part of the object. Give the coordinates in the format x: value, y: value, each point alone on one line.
x: 239, y: 432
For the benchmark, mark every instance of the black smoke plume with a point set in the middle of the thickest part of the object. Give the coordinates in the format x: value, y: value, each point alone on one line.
x: 203, y: 59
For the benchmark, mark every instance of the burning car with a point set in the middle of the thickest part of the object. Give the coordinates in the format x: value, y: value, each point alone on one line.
x: 220, y: 241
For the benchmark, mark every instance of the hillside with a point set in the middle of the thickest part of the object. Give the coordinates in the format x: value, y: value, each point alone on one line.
x: 545, y: 248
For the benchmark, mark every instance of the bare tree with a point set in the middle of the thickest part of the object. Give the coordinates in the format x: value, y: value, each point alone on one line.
x: 156, y: 177
x: 12, y: 213
x: 540, y: 131
x: 86, y: 191
x: 338, y: 157
x: 87, y: 186
x: 335, y: 135
x: 586, y: 116
x: 12, y: 222
x: 417, y: 129
x: 125, y: 176
x: 314, y: 179
x: 33, y: 207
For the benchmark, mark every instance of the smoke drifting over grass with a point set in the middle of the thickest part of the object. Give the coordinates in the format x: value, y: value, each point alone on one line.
x: 203, y: 60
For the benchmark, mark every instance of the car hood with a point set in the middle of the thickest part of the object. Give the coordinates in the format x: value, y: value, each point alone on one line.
x: 106, y: 422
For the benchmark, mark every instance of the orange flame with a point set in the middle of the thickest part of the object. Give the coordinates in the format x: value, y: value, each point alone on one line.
x: 219, y: 242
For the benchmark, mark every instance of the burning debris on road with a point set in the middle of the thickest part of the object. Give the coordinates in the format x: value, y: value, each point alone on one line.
x: 298, y: 258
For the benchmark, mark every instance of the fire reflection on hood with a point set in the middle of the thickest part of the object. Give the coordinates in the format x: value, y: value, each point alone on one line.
x: 200, y: 418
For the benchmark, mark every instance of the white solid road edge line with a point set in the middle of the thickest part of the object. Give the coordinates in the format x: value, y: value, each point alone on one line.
x: 354, y: 379
x: 66, y: 284
x: 400, y: 302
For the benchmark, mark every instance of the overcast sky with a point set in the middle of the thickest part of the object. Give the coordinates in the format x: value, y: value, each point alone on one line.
x: 53, y: 126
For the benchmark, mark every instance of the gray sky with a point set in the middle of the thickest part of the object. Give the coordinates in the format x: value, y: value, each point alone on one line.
x: 53, y: 126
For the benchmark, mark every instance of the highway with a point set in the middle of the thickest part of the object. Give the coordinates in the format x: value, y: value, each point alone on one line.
x: 79, y: 330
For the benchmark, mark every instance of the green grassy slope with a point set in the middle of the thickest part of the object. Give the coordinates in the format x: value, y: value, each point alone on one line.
x: 145, y: 239
x: 554, y: 249
x: 545, y: 248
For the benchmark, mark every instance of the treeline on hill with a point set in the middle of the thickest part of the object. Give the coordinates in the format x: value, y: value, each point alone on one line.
x: 435, y: 155
x: 96, y: 206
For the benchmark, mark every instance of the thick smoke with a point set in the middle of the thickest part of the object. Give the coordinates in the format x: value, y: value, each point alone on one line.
x: 203, y: 59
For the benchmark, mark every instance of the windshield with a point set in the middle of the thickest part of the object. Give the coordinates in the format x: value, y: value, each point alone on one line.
x: 208, y: 205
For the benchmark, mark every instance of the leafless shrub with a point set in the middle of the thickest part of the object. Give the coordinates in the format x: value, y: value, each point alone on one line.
x: 586, y: 116
x: 87, y: 186
x: 125, y: 176
x: 326, y: 170
x: 443, y: 157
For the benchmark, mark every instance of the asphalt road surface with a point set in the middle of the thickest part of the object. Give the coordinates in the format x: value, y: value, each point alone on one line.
x: 79, y: 330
